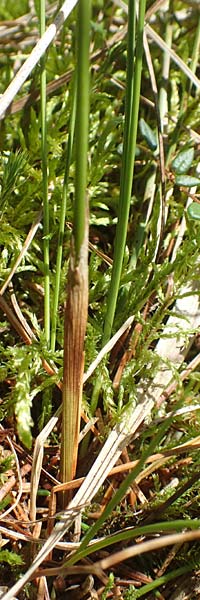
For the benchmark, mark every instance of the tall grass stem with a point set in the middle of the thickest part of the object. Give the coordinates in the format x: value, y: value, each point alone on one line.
x: 134, y: 71
x: 133, y: 82
x: 76, y: 310
x: 82, y: 118
x: 62, y: 219
x: 45, y: 181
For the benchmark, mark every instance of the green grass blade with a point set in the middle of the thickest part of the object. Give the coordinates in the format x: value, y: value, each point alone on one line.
x: 131, y: 533
x: 162, y: 580
x: 82, y: 118
x: 62, y: 221
x: 45, y: 182
x: 131, y: 123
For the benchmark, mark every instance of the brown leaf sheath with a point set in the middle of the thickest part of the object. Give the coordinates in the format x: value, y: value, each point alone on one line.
x: 75, y: 322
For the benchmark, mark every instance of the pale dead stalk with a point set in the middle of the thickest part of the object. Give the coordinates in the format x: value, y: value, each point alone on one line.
x: 35, y: 55
x: 28, y: 240
x: 143, y: 547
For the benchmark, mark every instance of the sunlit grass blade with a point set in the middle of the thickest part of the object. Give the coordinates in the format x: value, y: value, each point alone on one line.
x: 45, y: 182
x: 62, y: 221
x: 129, y: 148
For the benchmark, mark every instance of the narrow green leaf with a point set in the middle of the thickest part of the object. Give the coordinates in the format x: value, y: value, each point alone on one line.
x: 183, y: 161
x: 148, y: 134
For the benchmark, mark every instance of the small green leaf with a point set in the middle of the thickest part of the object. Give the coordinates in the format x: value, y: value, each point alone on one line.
x: 23, y: 408
x: 193, y: 211
x: 183, y: 161
x: 187, y: 180
x: 148, y: 134
x: 42, y: 492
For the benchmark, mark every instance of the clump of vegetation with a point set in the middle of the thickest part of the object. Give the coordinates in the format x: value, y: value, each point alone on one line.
x: 99, y: 298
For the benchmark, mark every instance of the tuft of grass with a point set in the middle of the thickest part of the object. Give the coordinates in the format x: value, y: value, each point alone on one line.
x: 143, y: 262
